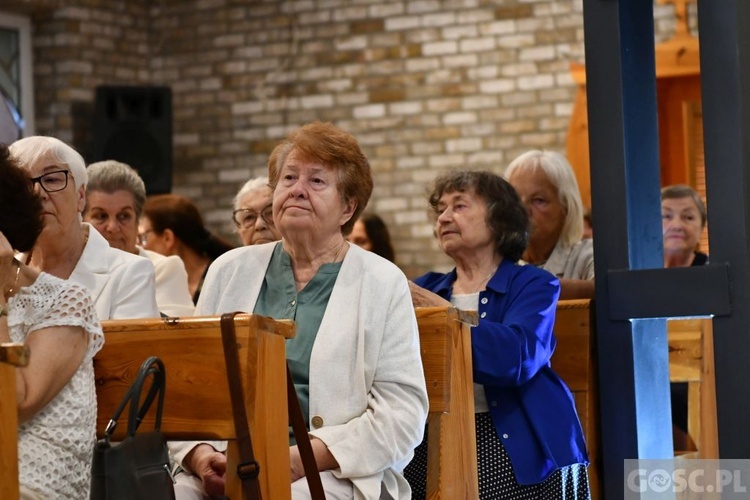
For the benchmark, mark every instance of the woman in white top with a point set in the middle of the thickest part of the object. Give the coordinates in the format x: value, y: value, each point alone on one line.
x: 115, y: 195
x: 55, y: 393
x: 355, y: 357
x: 121, y: 284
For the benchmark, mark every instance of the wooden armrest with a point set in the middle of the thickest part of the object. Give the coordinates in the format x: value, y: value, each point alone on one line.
x: 14, y: 354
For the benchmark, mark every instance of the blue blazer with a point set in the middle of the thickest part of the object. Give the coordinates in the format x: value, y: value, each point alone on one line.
x: 532, y: 409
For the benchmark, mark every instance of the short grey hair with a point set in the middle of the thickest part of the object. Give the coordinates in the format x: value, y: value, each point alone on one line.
x: 561, y: 175
x: 109, y: 176
x: 256, y: 184
x: 30, y: 150
x: 684, y: 191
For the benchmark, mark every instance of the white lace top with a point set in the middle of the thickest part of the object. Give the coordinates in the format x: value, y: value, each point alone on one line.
x: 56, y: 445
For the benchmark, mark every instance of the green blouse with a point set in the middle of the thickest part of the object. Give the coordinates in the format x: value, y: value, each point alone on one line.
x: 279, y: 299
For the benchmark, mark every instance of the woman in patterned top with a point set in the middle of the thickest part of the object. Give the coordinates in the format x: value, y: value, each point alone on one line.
x: 56, y: 319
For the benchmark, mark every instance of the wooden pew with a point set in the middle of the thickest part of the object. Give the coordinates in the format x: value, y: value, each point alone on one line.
x: 445, y: 339
x: 11, y: 356
x: 575, y: 361
x: 691, y: 360
x: 197, y: 404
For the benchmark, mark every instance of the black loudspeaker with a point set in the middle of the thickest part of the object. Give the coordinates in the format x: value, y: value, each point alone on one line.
x: 134, y: 125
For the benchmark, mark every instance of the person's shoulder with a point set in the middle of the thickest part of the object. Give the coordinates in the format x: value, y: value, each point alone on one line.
x: 244, y: 256
x: 128, y: 259
x: 429, y: 279
x: 154, y: 257
x: 522, y: 270
x: 585, y: 245
x: 370, y: 258
x: 63, y: 289
x: 162, y: 262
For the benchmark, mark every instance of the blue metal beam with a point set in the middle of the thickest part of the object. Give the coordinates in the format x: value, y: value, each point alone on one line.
x: 624, y: 155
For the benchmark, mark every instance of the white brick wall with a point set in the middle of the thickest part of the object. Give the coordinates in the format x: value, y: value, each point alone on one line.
x: 425, y: 85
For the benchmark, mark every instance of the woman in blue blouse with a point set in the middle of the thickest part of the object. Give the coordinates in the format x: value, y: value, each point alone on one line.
x: 529, y: 440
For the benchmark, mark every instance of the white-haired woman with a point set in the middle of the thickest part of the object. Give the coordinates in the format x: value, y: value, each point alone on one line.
x: 548, y: 188
x: 115, y: 195
x: 121, y: 284
x: 253, y: 213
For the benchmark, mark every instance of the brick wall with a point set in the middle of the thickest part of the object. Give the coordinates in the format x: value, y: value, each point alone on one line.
x: 425, y: 85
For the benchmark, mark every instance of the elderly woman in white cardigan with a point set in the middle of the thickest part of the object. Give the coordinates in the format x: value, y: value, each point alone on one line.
x: 355, y: 359
x: 121, y: 284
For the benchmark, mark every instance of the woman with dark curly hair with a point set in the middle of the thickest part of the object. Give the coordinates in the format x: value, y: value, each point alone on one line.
x: 529, y: 440
x: 56, y: 319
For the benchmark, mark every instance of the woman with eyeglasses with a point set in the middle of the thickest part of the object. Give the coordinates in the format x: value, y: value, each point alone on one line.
x: 56, y: 320
x: 172, y: 225
x: 253, y: 213
x: 115, y: 195
x: 122, y: 284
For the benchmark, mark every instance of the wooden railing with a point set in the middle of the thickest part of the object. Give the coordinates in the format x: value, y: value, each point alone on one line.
x: 11, y: 356
x: 198, y: 407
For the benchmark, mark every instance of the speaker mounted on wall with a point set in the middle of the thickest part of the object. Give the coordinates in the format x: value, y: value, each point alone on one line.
x: 134, y: 125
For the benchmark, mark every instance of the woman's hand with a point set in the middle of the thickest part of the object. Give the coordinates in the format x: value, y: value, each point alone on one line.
x: 425, y: 298
x: 295, y: 459
x: 209, y: 465
x: 324, y: 459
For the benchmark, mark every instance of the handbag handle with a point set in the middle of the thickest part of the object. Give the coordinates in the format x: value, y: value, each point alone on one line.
x: 152, y: 366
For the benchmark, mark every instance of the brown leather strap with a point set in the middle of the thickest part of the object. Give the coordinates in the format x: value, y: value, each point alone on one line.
x: 248, y: 468
x: 303, y: 440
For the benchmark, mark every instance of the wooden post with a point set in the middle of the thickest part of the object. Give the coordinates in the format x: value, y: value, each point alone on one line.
x: 11, y: 356
x: 445, y: 339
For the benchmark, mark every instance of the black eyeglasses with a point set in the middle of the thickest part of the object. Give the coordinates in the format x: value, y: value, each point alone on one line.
x: 246, y: 218
x: 52, y: 182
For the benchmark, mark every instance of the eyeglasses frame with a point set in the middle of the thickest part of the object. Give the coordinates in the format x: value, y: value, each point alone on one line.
x: 258, y: 214
x: 38, y: 180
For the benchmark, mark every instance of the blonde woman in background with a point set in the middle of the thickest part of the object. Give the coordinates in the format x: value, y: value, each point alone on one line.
x: 547, y: 186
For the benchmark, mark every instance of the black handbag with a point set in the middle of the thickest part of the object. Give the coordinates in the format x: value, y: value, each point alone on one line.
x: 137, y: 467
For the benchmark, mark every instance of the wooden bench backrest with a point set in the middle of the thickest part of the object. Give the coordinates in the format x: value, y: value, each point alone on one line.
x: 574, y: 360
x: 11, y: 356
x: 197, y: 403
x: 445, y: 340
x: 691, y: 360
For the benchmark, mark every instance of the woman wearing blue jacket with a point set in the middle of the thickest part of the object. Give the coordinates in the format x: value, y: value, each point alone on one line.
x: 529, y: 440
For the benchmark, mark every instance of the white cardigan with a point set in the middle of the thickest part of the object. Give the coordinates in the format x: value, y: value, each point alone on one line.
x: 121, y: 283
x: 172, y: 293
x: 366, y: 378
